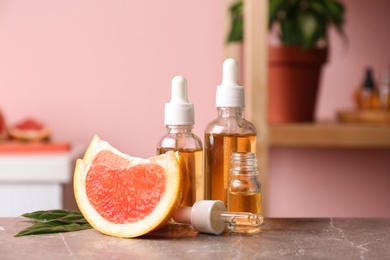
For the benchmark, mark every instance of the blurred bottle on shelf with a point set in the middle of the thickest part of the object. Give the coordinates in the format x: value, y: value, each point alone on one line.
x: 366, y: 91
x: 384, y: 90
x: 370, y: 96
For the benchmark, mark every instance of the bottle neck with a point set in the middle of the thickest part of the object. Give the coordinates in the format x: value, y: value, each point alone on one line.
x: 230, y: 112
x: 244, y: 163
x: 175, y: 129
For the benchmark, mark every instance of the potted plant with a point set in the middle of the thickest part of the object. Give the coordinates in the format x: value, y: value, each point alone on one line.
x: 295, y: 64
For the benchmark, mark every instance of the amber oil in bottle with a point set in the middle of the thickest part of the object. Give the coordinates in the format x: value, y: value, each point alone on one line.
x: 228, y: 133
x: 179, y: 121
x: 218, y: 149
x: 193, y: 189
x: 244, y: 192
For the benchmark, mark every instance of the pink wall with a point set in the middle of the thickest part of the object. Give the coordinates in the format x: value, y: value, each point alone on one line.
x: 105, y: 67
x: 309, y: 182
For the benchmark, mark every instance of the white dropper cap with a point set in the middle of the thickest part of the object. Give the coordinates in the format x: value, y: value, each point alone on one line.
x: 179, y: 111
x: 230, y: 93
x: 204, y: 216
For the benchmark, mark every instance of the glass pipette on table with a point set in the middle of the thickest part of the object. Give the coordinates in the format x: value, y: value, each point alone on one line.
x: 210, y: 216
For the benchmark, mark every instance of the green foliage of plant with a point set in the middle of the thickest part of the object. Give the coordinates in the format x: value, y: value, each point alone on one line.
x: 301, y: 22
x: 236, y: 33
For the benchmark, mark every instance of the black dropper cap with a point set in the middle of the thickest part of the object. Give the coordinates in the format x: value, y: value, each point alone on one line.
x: 369, y: 83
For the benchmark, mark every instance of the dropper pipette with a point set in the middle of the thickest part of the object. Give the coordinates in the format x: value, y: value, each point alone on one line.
x: 210, y: 216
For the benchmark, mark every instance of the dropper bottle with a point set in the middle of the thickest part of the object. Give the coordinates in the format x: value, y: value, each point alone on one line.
x: 366, y: 92
x: 179, y: 121
x: 210, y: 216
x: 227, y: 134
x: 384, y: 91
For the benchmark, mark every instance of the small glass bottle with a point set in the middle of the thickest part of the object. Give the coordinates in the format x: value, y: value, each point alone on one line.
x: 384, y: 91
x: 229, y: 133
x: 179, y: 121
x: 365, y: 95
x: 244, y: 193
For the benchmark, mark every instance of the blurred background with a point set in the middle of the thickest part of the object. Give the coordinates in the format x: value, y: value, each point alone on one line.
x: 105, y: 67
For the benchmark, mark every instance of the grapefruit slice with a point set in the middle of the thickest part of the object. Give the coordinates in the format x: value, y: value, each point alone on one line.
x: 126, y: 196
x: 29, y: 130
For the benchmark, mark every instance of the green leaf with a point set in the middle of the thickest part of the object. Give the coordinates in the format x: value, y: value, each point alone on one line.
x: 311, y: 28
x: 236, y: 33
x: 289, y: 34
x: 274, y: 9
x: 54, y: 221
x: 335, y: 12
x: 52, y: 227
x: 47, y: 215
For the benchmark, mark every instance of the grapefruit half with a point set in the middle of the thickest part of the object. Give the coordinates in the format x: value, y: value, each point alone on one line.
x: 29, y: 130
x: 126, y: 196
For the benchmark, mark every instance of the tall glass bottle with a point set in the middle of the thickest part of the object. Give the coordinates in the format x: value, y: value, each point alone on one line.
x: 227, y: 134
x: 179, y: 121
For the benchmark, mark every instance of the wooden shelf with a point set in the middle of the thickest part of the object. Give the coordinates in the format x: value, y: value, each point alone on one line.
x: 330, y: 135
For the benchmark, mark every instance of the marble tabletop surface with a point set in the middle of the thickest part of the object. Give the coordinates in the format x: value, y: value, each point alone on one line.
x: 331, y: 238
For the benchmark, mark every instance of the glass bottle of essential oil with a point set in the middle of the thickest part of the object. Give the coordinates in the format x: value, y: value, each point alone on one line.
x: 365, y: 94
x: 244, y: 192
x: 179, y: 121
x: 227, y: 134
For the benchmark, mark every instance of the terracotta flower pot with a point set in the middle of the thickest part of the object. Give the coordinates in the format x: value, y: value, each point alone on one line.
x: 293, y: 82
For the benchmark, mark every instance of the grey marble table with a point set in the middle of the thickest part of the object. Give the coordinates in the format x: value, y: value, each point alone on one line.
x: 331, y: 238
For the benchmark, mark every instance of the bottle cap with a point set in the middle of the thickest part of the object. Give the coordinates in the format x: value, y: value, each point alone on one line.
x: 230, y: 93
x: 368, y: 82
x: 205, y: 216
x: 179, y: 111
